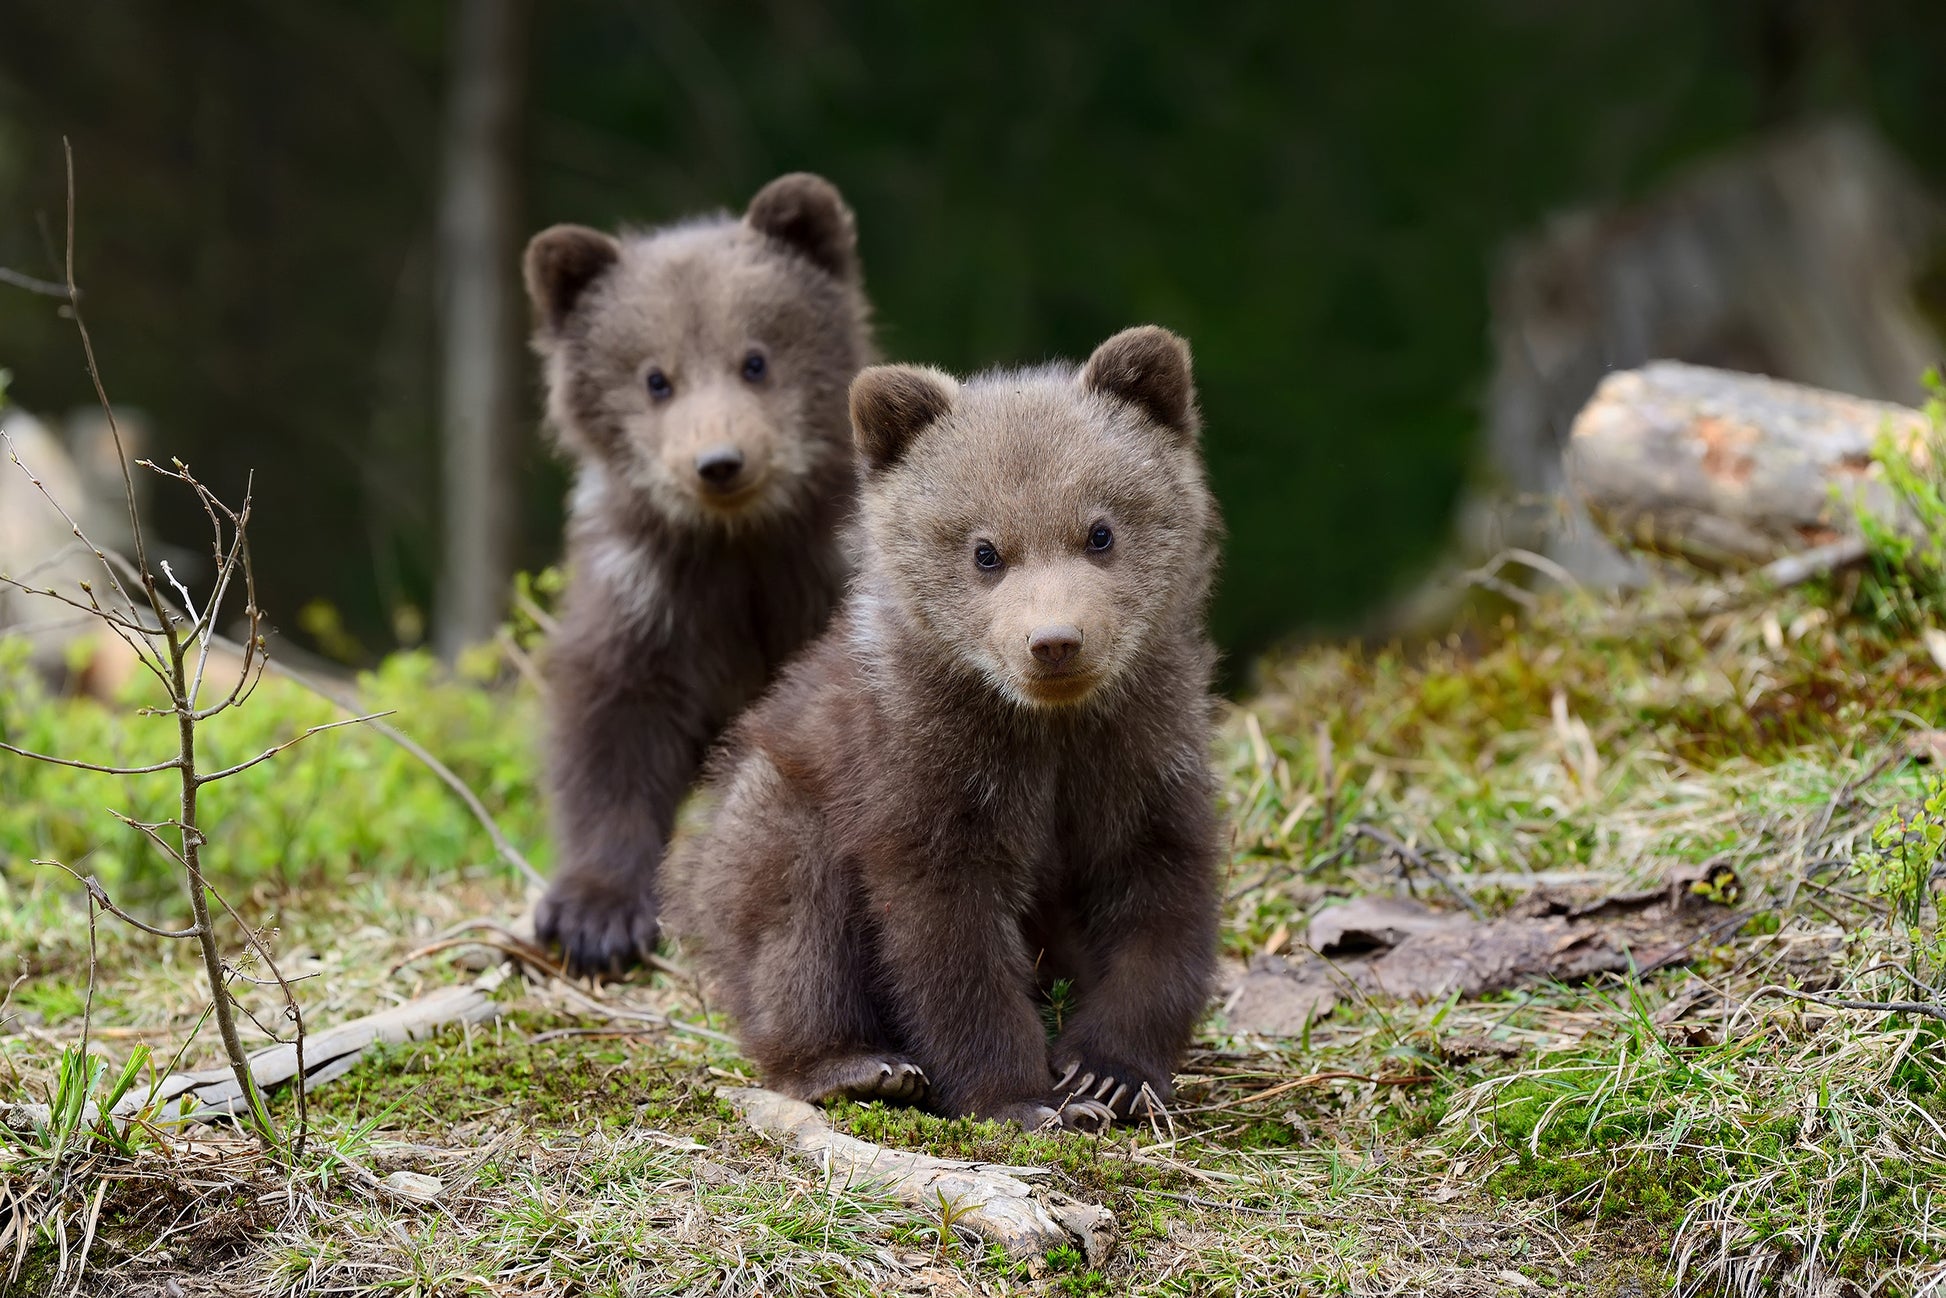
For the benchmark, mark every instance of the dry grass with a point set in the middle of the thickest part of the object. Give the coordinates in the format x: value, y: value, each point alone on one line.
x: 1689, y: 1132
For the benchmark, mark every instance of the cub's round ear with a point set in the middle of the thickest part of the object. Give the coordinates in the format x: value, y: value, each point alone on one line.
x: 1148, y: 367
x: 561, y: 262
x: 891, y: 405
x: 807, y: 214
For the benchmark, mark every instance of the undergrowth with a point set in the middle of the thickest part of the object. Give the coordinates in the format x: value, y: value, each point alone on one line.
x: 318, y: 817
x: 1703, y: 1130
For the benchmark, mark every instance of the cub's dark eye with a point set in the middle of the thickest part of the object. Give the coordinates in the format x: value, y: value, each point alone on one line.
x: 986, y: 556
x: 659, y: 386
x: 1100, y: 539
x: 754, y: 366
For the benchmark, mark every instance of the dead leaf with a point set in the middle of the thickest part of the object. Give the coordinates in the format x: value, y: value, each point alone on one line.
x: 1278, y: 937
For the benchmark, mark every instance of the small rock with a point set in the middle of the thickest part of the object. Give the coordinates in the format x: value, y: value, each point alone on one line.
x: 414, y: 1187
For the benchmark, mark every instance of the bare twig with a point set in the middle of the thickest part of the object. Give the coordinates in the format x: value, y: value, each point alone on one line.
x: 508, y: 852
x: 1926, y: 1008
x: 464, y: 792
x: 167, y: 649
x: 99, y: 896
x: 169, y: 765
x: 296, y: 1014
x: 45, y: 287
x: 275, y: 749
x: 1413, y: 859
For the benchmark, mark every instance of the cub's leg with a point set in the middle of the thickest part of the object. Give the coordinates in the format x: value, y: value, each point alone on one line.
x: 627, y: 737
x: 1150, y: 934
x: 782, y: 937
x: 958, y: 983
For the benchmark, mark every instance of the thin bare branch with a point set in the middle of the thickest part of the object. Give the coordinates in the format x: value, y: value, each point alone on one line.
x: 508, y: 852
x: 226, y: 570
x: 540, y: 616
x: 271, y: 752
x: 195, y: 618
x: 1925, y: 1008
x: 92, y: 608
x: 153, y: 832
x: 172, y: 764
x: 45, y: 287
x: 1416, y: 860
x: 101, y: 395
x: 291, y: 1008
x: 74, y: 527
x: 101, y: 899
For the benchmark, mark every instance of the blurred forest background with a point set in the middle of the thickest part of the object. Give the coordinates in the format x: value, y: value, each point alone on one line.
x: 277, y: 208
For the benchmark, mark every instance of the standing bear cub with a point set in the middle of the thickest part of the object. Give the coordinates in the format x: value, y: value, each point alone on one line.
x: 991, y: 772
x: 696, y: 376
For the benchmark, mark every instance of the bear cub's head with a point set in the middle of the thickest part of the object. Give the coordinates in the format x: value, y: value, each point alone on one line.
x: 1046, y: 529
x: 701, y: 369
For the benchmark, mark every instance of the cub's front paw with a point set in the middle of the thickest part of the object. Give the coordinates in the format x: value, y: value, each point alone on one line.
x: 602, y: 926
x: 1121, y: 1091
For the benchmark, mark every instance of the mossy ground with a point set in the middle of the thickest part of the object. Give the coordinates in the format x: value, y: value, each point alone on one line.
x: 1753, y: 1144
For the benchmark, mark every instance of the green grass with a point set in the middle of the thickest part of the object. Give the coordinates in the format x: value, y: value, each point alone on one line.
x: 344, y: 804
x: 1603, y: 744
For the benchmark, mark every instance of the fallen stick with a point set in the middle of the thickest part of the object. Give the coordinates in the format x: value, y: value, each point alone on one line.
x: 328, y: 1055
x: 1025, y: 1221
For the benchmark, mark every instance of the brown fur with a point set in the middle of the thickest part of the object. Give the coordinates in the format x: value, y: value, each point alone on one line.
x: 687, y: 592
x: 925, y: 823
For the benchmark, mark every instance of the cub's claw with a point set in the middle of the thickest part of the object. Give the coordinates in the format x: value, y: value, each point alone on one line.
x: 1078, y: 1084
x: 864, y: 1077
x: 1087, y: 1115
x: 900, y: 1080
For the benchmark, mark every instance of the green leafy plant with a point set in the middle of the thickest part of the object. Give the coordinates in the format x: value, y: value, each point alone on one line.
x: 1058, y: 1005
x: 81, y: 1111
x: 1900, y: 864
x: 1907, y: 551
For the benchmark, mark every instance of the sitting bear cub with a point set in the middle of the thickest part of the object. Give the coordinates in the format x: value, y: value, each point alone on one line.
x: 696, y: 376
x: 991, y: 772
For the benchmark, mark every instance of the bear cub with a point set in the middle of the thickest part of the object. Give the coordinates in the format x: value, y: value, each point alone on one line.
x: 991, y: 772
x: 696, y: 377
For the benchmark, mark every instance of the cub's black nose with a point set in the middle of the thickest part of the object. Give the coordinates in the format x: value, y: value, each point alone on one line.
x: 1055, y: 645
x: 719, y: 466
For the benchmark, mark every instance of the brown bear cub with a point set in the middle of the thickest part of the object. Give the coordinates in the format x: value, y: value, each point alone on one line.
x: 696, y: 376
x: 991, y: 772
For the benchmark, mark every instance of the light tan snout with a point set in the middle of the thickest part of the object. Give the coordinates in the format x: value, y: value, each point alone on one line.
x: 1055, y: 623
x: 719, y: 446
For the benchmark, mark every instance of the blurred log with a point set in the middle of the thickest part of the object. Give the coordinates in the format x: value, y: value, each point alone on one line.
x: 1731, y: 470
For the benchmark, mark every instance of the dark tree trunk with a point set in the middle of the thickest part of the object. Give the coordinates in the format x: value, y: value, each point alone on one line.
x: 478, y: 229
